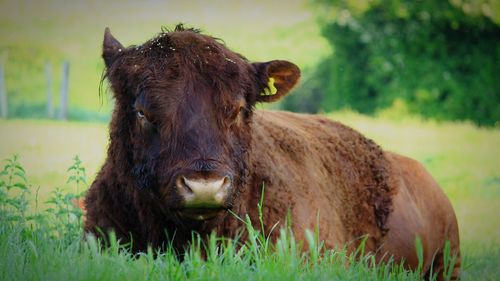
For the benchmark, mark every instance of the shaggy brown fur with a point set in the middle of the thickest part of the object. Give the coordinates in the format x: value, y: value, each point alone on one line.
x: 184, y: 104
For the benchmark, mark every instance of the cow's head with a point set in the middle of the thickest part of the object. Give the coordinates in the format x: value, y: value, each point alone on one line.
x: 182, y: 117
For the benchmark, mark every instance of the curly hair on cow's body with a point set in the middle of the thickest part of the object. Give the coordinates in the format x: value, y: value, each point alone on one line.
x: 187, y: 145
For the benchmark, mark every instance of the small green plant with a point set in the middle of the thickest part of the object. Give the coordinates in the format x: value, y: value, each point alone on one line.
x: 257, y: 240
x: 13, y: 191
x: 420, y: 254
x: 77, y: 176
x: 449, y: 261
x: 65, y: 211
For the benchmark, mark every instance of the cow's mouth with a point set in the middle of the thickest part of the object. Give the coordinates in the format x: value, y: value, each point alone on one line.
x: 200, y: 214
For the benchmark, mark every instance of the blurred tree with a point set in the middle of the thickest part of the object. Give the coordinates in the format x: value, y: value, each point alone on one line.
x: 440, y: 57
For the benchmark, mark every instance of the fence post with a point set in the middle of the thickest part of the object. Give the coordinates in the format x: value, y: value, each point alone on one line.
x: 48, y: 78
x: 63, y: 113
x: 4, y: 109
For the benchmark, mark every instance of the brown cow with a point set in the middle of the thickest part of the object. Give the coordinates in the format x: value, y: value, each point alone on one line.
x: 186, y: 145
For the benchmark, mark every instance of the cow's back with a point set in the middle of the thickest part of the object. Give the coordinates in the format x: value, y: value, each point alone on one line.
x: 319, y: 171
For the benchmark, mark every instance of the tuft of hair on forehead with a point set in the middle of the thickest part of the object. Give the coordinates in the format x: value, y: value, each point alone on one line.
x: 166, y: 37
x: 179, y: 27
x: 181, y: 38
x: 191, y: 49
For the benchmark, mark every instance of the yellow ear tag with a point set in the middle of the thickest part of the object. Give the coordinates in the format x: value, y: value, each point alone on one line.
x: 270, y: 90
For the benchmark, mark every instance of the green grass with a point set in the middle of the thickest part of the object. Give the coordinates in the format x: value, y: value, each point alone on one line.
x: 52, y: 260
x: 39, y: 246
x: 464, y: 159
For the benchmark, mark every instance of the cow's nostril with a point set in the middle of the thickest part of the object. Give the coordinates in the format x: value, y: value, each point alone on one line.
x: 226, y: 182
x: 182, y: 185
x: 203, y: 192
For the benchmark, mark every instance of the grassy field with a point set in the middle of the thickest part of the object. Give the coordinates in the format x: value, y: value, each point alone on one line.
x: 464, y: 159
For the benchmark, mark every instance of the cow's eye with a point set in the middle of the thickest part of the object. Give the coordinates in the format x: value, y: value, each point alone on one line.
x: 236, y: 112
x: 145, y: 124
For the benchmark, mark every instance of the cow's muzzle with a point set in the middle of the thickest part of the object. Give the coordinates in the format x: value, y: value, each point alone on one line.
x: 203, y: 198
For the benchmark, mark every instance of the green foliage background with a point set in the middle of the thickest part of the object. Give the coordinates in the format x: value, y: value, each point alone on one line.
x: 439, y: 57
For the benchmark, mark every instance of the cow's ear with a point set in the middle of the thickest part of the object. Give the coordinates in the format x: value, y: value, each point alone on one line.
x: 110, y: 48
x: 276, y: 78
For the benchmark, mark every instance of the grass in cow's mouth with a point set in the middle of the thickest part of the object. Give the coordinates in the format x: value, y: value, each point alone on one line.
x: 201, y: 210
x: 200, y: 213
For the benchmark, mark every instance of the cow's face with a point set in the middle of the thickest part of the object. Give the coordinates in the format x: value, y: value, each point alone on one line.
x: 183, y: 110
